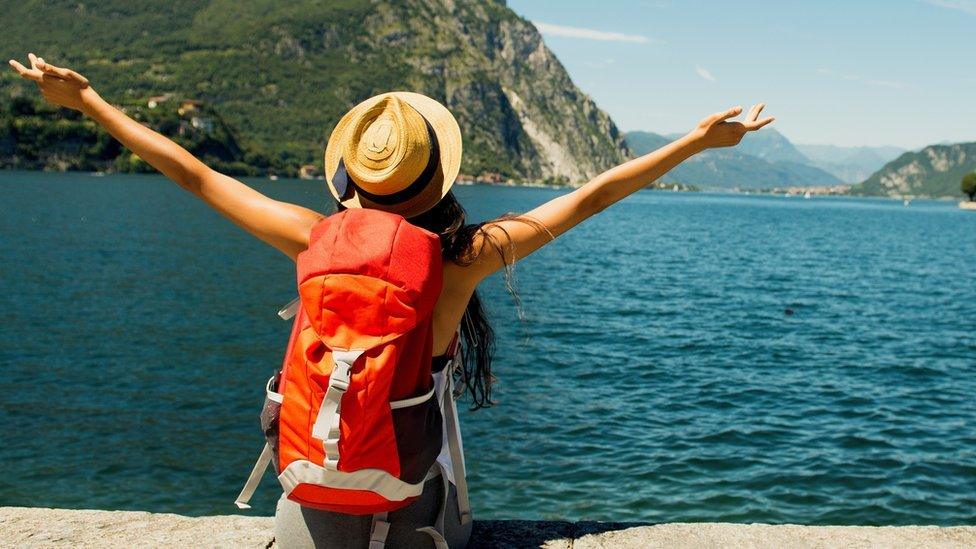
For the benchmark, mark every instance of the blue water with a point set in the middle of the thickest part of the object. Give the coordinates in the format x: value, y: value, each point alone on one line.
x: 656, y: 376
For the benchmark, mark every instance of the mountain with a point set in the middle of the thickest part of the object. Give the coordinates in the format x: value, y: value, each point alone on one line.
x: 771, y: 145
x: 728, y: 168
x: 935, y: 171
x: 838, y: 154
x: 641, y: 143
x: 282, y: 73
x: 773, y: 162
x: 850, y: 164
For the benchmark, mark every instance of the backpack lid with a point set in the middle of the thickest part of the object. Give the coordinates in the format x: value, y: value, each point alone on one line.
x: 368, y: 277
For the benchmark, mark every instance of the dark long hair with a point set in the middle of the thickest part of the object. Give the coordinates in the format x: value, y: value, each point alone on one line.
x: 449, y: 220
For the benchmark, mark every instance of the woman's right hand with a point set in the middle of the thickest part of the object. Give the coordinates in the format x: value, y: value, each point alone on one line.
x: 63, y: 87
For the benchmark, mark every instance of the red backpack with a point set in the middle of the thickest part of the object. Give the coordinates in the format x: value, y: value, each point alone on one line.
x: 356, y: 421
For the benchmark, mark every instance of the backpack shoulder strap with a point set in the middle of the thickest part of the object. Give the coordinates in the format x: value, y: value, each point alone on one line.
x: 290, y: 309
x: 455, y: 346
x: 454, y: 430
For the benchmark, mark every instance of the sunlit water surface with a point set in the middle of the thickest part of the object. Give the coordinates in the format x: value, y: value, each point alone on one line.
x: 657, y: 375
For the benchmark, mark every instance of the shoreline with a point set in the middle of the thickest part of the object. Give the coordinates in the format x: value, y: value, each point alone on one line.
x: 682, y: 188
x: 44, y: 527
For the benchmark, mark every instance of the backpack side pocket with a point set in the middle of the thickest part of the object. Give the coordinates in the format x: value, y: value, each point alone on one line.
x: 418, y: 427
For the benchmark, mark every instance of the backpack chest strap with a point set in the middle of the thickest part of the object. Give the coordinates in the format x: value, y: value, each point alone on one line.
x: 326, y: 426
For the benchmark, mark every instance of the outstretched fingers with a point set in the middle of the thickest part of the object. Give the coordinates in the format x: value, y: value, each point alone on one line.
x: 63, y: 73
x: 752, y: 121
x: 754, y: 112
x: 756, y: 124
x: 725, y: 115
x: 29, y: 74
x: 713, y: 119
x: 39, y: 68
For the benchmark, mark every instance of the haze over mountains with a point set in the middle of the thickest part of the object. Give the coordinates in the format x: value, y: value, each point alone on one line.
x: 850, y: 164
x: 768, y: 159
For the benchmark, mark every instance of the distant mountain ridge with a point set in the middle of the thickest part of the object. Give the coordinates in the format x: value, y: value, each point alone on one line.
x: 282, y: 73
x: 935, y: 171
x: 771, y: 145
x: 850, y: 164
x: 769, y: 159
x: 763, y: 160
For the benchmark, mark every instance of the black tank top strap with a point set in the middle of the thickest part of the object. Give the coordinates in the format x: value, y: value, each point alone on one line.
x: 439, y: 362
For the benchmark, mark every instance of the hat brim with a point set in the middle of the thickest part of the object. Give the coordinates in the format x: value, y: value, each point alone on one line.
x: 449, y: 142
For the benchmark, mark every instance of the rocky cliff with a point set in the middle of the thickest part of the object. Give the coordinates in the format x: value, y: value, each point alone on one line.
x: 282, y: 73
x: 935, y: 171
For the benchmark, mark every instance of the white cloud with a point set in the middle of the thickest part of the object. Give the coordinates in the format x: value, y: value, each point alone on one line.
x: 968, y: 6
x: 588, y: 34
x: 704, y: 73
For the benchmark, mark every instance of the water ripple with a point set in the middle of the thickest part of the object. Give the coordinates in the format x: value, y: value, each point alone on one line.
x: 685, y: 357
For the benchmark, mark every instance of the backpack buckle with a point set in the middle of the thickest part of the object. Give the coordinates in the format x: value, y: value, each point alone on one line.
x: 342, y: 367
x: 339, y: 379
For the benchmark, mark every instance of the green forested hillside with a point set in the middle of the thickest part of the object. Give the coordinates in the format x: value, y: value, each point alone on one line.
x: 37, y: 135
x: 34, y: 135
x: 935, y: 171
x: 282, y: 73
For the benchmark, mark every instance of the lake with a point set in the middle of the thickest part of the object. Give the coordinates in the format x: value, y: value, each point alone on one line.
x: 682, y: 356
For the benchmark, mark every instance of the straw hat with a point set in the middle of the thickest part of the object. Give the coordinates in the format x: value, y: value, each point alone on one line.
x: 398, y: 151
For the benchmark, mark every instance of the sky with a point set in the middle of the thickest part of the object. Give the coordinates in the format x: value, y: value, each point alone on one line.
x: 895, y: 72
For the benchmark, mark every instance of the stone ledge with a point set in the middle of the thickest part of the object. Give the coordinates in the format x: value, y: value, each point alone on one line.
x: 30, y: 527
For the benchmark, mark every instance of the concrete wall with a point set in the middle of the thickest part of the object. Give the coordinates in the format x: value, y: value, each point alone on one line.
x: 28, y: 527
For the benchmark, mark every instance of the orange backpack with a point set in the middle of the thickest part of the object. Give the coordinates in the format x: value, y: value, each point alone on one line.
x: 356, y: 421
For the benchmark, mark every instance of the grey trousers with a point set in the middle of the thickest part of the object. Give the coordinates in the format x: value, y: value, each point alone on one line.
x: 298, y: 527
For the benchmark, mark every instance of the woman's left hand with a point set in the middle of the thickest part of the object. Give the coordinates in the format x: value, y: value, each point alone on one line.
x: 717, y: 131
x: 63, y: 87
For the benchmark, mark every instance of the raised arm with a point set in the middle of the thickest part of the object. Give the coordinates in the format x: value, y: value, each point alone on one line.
x: 519, y: 238
x: 285, y: 226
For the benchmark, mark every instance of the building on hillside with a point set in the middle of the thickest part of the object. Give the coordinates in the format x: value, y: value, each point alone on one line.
x: 189, y: 105
x: 157, y: 100
x: 204, y: 123
x: 308, y: 171
x: 490, y: 177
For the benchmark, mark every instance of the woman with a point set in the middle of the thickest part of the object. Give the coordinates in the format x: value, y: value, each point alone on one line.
x: 365, y: 167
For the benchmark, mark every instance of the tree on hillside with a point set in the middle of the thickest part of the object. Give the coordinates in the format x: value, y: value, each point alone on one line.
x: 968, y: 185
